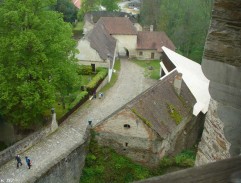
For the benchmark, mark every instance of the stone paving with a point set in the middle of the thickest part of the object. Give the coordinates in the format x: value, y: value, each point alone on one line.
x: 70, y: 134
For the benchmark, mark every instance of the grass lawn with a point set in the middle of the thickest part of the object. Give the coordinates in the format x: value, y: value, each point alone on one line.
x: 78, y: 30
x: 153, y: 73
x: 103, y: 164
x: 79, y: 26
x: 60, y: 111
x: 114, y: 77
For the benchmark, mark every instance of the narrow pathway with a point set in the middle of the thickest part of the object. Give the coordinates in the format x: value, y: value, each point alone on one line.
x: 70, y: 134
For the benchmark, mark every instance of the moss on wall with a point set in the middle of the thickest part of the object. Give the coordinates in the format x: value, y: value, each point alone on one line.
x: 141, y: 117
x: 175, y: 115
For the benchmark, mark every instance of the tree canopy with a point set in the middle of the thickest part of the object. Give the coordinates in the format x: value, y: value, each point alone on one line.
x: 110, y: 5
x: 68, y: 9
x: 94, y: 5
x: 36, y: 54
x: 185, y: 21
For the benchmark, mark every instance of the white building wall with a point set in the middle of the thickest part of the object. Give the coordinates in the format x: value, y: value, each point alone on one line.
x: 128, y: 42
x: 138, y: 142
x: 86, y: 53
x: 146, y: 54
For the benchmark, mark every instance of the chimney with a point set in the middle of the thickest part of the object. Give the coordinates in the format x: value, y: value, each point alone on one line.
x: 151, y: 28
x: 178, y: 83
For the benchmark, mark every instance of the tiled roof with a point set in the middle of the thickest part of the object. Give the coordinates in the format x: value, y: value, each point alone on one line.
x: 119, y: 25
x: 152, y: 104
x: 153, y: 41
x: 101, y: 41
x: 77, y: 3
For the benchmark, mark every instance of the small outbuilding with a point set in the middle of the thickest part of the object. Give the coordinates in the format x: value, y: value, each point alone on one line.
x: 156, y: 123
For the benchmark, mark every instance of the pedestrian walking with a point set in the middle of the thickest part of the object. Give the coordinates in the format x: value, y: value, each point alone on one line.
x: 94, y: 95
x: 19, y: 162
x: 28, y: 161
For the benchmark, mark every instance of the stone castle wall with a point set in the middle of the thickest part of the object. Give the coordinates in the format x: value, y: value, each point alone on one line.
x: 222, y: 66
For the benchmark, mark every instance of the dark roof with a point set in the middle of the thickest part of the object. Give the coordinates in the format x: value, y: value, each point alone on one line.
x: 152, y: 105
x: 154, y: 41
x: 118, y: 25
x: 94, y: 16
x: 101, y: 41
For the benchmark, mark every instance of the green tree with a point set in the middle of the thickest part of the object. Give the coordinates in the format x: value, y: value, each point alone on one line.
x: 150, y: 12
x: 110, y: 5
x: 94, y: 5
x: 35, y: 46
x: 87, y: 6
x: 68, y: 9
x: 186, y: 22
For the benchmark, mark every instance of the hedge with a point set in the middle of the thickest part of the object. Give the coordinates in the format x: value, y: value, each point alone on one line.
x: 98, y: 78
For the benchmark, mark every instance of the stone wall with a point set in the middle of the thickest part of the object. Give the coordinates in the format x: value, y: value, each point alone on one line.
x: 146, y: 54
x: 126, y: 42
x: 68, y: 169
x: 222, y: 66
x: 140, y: 142
x: 214, y: 145
x: 218, y: 172
x: 27, y: 142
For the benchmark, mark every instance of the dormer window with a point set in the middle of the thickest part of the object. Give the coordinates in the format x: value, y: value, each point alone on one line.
x: 127, y: 126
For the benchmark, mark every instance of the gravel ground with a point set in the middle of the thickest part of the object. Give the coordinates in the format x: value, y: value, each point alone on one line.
x: 70, y: 134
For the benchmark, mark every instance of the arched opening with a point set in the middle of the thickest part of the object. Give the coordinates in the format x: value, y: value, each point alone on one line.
x: 127, y: 52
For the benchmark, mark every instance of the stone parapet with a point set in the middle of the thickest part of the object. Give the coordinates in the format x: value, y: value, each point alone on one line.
x: 27, y: 142
x: 214, y: 145
x: 222, y: 66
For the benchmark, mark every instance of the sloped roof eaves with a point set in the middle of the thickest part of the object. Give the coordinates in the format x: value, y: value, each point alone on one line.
x: 101, y: 41
x: 152, y: 105
x: 119, y: 26
x: 153, y: 41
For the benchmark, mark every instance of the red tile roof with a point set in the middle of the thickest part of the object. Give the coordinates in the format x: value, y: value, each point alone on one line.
x: 77, y: 3
x: 119, y: 25
x: 154, y: 41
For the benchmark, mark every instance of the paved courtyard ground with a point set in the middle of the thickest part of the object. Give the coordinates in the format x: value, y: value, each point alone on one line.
x: 130, y: 83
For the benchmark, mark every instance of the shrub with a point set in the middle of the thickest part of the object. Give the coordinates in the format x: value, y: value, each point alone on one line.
x: 79, y: 97
x: 175, y: 115
x: 95, y: 80
x: 166, y: 162
x: 84, y: 70
x: 185, y: 158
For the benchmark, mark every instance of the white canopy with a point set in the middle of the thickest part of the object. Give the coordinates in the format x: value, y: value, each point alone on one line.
x: 193, y: 77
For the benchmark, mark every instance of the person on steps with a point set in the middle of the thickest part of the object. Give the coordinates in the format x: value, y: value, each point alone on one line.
x: 18, y: 161
x: 28, y: 161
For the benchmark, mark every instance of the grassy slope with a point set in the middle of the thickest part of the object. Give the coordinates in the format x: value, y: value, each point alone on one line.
x: 155, y: 64
x: 114, y: 77
x: 105, y: 165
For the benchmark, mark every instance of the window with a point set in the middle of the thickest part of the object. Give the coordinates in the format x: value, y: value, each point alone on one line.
x: 140, y: 53
x: 127, y: 126
x: 152, y: 55
x: 126, y: 144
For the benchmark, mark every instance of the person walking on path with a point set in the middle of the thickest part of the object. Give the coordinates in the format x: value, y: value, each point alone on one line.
x: 28, y: 161
x: 18, y: 161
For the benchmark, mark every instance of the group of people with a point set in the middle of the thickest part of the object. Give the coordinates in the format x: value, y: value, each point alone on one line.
x: 101, y: 95
x: 19, y: 161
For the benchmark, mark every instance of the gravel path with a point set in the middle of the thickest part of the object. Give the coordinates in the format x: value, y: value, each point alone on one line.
x: 70, y: 134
